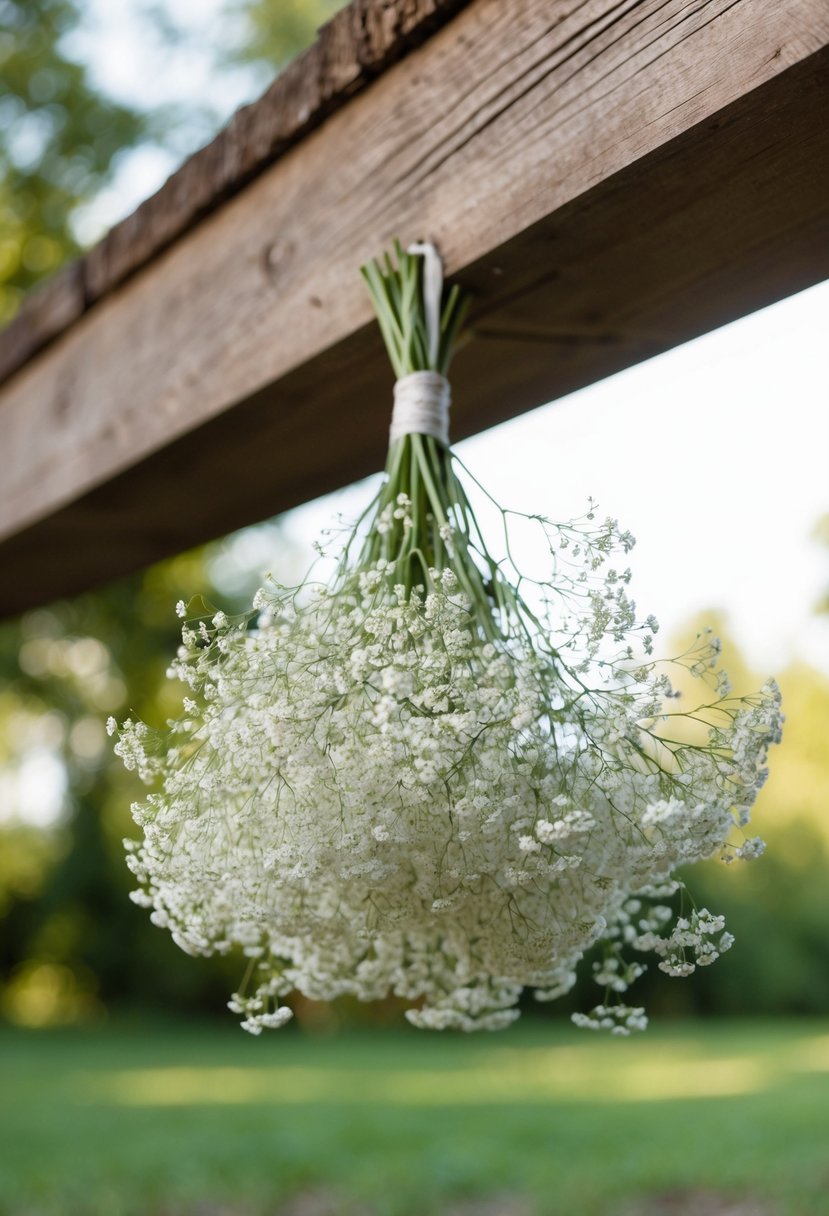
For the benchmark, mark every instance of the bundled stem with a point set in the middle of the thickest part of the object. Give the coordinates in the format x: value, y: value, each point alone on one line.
x: 422, y: 520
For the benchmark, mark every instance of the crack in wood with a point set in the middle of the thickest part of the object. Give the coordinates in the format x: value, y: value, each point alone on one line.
x: 619, y: 83
x: 431, y: 161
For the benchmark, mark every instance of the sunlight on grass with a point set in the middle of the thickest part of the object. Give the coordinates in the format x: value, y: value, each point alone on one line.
x: 812, y: 1055
x: 166, y: 1120
x: 533, y: 1075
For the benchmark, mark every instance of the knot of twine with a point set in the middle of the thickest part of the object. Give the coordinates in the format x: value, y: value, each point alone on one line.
x: 422, y: 399
x: 421, y: 406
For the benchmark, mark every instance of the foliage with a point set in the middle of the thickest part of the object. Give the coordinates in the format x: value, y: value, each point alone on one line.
x: 66, y: 905
x: 59, y: 141
x: 69, y: 938
x: 271, y: 32
x: 61, y: 137
x: 777, y: 906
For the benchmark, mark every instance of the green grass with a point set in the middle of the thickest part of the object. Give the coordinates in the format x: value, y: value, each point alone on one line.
x: 186, y: 1119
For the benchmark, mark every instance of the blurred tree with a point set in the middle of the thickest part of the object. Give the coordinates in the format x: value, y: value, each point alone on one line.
x: 60, y: 136
x: 70, y: 939
x: 272, y: 32
x: 777, y: 906
x: 66, y: 668
x: 59, y: 140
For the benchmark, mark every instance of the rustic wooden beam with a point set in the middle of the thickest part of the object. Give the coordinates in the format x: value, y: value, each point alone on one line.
x: 611, y: 177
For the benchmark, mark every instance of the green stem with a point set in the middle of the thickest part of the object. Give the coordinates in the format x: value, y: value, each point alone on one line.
x: 419, y: 467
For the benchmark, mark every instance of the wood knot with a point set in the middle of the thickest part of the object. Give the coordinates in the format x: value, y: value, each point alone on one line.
x: 276, y: 257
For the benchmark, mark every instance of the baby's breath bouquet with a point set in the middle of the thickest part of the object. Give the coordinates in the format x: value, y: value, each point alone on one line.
x: 431, y: 776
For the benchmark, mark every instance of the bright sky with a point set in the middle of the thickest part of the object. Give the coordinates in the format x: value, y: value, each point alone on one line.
x: 132, y: 62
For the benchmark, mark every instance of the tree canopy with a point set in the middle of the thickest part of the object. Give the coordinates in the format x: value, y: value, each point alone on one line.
x: 59, y: 140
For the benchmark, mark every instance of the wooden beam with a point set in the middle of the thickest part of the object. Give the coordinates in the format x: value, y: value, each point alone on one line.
x: 611, y: 177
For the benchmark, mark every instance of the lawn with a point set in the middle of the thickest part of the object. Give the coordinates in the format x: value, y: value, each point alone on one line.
x: 687, y: 1120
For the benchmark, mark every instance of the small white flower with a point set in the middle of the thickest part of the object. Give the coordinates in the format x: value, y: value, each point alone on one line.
x: 370, y: 793
x: 751, y: 849
x: 528, y: 845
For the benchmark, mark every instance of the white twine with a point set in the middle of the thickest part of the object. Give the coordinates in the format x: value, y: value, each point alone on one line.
x: 421, y: 406
x: 422, y: 399
x: 432, y: 293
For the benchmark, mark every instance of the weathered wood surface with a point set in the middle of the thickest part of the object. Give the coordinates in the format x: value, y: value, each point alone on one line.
x: 357, y: 44
x: 611, y: 176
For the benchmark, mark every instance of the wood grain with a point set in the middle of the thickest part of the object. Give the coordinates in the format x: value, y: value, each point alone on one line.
x: 47, y: 311
x: 611, y: 178
x: 356, y: 45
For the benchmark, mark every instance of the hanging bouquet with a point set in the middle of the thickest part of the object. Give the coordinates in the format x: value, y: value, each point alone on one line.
x: 431, y: 776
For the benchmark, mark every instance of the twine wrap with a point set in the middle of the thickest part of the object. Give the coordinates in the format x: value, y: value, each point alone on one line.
x: 421, y: 406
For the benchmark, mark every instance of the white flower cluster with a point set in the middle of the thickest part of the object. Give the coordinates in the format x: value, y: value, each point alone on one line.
x: 367, y: 796
x: 701, y: 933
x: 618, y: 1019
